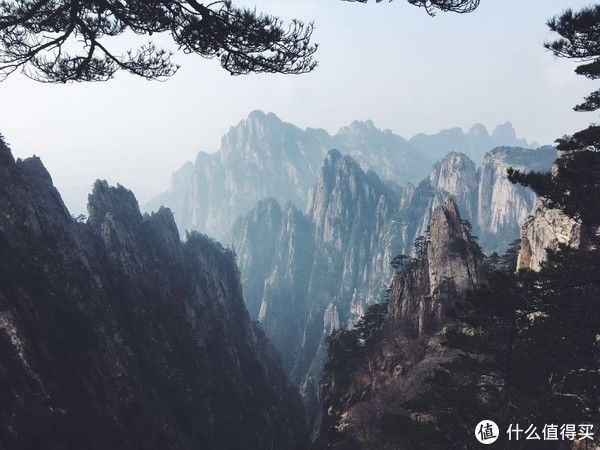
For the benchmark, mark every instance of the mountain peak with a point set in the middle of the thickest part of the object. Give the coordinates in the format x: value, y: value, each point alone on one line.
x: 259, y: 114
x: 449, y: 209
x: 257, y: 122
x: 505, y: 131
x: 5, y: 153
x: 116, y: 201
x: 333, y: 156
x: 358, y: 127
x: 478, y: 130
x: 448, y: 264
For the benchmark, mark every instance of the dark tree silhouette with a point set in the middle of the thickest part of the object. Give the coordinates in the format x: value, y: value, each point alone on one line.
x: 58, y: 41
x: 574, y: 184
x: 580, y: 39
x: 457, y: 6
x: 69, y: 40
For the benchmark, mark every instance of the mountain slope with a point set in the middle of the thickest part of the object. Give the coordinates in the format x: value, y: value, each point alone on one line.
x: 114, y: 334
x: 462, y: 340
x: 378, y: 372
x: 320, y: 272
x: 319, y: 263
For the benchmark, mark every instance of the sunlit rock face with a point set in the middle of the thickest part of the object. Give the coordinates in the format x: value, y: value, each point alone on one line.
x: 502, y: 205
x: 456, y: 174
x: 369, y: 386
x: 549, y: 228
x: 447, y: 266
x: 115, y: 334
x: 544, y: 230
x: 493, y: 205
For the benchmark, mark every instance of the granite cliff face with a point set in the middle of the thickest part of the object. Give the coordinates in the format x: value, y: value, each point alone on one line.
x: 305, y: 275
x: 264, y: 157
x: 320, y: 264
x: 463, y: 338
x: 377, y: 373
x: 495, y: 207
x: 547, y: 228
x: 114, y: 334
x: 502, y: 205
x: 447, y: 266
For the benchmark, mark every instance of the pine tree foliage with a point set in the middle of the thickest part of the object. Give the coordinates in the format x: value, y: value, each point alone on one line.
x: 538, y: 333
x: 71, y: 40
x: 457, y: 6
x: 59, y: 41
x: 574, y: 185
x: 580, y: 39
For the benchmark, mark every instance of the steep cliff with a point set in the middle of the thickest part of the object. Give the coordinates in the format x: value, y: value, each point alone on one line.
x: 494, y: 206
x: 446, y: 267
x: 460, y: 341
x: 320, y: 271
x: 457, y: 175
x: 324, y: 267
x: 548, y: 228
x: 114, y: 334
x: 378, y: 372
x: 502, y: 205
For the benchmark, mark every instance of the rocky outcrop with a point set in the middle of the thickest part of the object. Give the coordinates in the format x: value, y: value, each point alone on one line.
x: 265, y: 157
x: 378, y: 373
x: 546, y: 229
x: 486, y: 198
x: 446, y: 266
x: 114, y: 334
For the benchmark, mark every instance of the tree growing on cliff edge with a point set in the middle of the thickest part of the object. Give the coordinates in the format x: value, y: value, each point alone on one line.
x: 574, y: 185
x: 58, y: 41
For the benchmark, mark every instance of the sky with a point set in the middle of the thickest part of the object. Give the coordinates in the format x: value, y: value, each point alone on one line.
x: 388, y: 62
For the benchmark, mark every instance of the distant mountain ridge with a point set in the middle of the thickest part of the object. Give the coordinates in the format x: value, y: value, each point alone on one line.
x: 263, y: 157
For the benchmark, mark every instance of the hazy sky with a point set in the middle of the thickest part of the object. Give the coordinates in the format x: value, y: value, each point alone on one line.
x: 389, y: 62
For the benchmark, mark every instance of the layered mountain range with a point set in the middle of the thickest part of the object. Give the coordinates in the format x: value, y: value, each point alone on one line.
x: 115, y: 334
x: 307, y: 274
x: 316, y: 228
x: 265, y: 157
